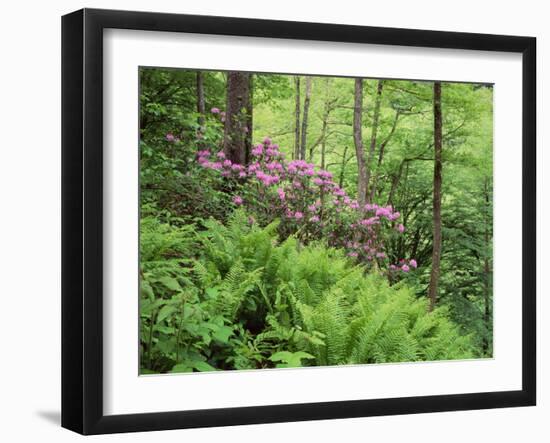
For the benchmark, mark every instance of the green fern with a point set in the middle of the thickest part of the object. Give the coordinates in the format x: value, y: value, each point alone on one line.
x: 286, y: 298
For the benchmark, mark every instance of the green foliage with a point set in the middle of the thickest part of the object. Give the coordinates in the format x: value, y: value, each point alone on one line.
x: 244, y: 300
x: 219, y: 291
x: 290, y: 359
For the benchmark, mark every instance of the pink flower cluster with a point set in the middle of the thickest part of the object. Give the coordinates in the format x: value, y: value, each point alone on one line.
x: 169, y: 137
x: 218, y: 112
x: 404, y: 265
x: 310, y: 203
x: 220, y: 163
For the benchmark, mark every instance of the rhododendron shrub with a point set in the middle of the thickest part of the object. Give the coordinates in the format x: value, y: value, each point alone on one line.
x: 309, y: 204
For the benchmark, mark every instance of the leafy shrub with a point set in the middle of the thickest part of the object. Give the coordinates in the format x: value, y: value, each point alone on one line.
x: 308, y: 203
x: 234, y: 297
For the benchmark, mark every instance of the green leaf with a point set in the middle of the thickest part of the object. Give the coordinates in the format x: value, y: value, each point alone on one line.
x: 165, y: 312
x: 147, y: 307
x: 212, y: 292
x: 223, y: 334
x: 146, y: 290
x: 290, y: 359
x: 281, y: 356
x: 181, y: 367
x: 170, y: 283
x: 167, y: 347
x: 316, y: 340
x: 203, y: 366
x: 164, y: 329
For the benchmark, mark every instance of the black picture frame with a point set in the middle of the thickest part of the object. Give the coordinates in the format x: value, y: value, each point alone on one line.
x: 82, y: 218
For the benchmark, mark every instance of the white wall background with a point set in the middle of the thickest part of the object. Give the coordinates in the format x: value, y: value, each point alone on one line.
x: 30, y: 219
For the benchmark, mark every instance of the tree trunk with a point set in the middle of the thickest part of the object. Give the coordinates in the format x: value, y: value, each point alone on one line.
x: 297, y: 119
x: 200, y: 101
x: 343, y: 167
x: 238, y: 109
x: 307, y: 99
x: 436, y: 252
x: 395, y: 182
x: 374, y: 185
x: 374, y: 133
x: 358, y: 139
x: 326, y: 114
x: 249, y: 120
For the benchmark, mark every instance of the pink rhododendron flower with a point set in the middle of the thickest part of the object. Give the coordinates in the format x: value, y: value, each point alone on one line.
x: 298, y: 215
x: 369, y: 221
x: 413, y: 263
x: 257, y: 151
x: 215, y: 110
x: 401, y: 228
x: 314, y: 219
x: 253, y: 167
x: 405, y: 268
x: 318, y: 181
x: 238, y: 200
x: 170, y: 137
x: 325, y: 174
x: 384, y: 212
x: 339, y: 192
x: 220, y: 154
x: 274, y: 166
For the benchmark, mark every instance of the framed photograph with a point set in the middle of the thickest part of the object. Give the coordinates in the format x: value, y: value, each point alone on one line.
x: 269, y: 221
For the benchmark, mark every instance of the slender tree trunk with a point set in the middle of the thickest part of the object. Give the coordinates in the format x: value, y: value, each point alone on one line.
x: 436, y: 252
x: 250, y: 120
x: 307, y: 99
x: 324, y: 127
x: 374, y: 133
x: 200, y: 101
x: 374, y: 185
x: 324, y: 150
x: 297, y: 119
x: 358, y: 139
x: 395, y: 182
x: 343, y: 167
x: 238, y: 107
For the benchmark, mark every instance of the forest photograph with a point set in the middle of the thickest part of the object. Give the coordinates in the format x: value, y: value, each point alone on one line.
x: 292, y: 221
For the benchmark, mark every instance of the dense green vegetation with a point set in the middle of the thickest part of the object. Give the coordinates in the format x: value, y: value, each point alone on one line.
x: 304, y: 221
